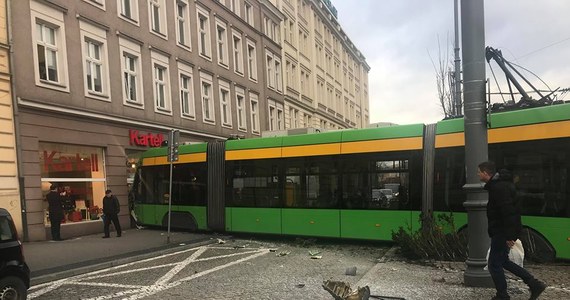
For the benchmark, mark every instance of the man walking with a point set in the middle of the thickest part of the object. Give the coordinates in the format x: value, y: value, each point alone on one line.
x: 504, y: 227
x: 55, y: 212
x: 111, y: 208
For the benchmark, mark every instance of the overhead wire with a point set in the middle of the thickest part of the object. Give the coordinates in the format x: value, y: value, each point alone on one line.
x: 548, y: 46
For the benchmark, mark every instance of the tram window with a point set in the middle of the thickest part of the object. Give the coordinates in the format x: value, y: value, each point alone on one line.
x: 372, y: 183
x: 540, y: 172
x: 188, y: 184
x: 449, y: 179
x: 254, y: 183
x: 311, y: 182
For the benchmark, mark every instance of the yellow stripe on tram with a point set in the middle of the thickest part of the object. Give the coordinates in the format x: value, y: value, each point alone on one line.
x: 530, y: 132
x: 253, y: 153
x: 183, y: 158
x: 449, y: 140
x: 511, y: 134
x: 412, y: 143
x: 311, y: 150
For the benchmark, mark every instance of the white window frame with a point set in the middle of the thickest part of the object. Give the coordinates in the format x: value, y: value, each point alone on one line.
x: 272, y: 115
x: 280, y: 117
x: 237, y: 48
x: 157, y: 7
x: 225, y: 103
x: 248, y: 13
x: 235, y: 7
x: 278, y: 77
x: 94, y: 35
x: 275, y: 115
x: 134, y: 11
x: 206, y: 79
x: 186, y: 93
x: 97, y: 3
x: 222, y: 42
x: 251, y: 60
x: 47, y: 16
x: 128, y: 48
x: 241, y: 109
x: 254, y: 113
x: 204, y: 38
x: 183, y: 31
x: 160, y: 62
x: 269, y: 65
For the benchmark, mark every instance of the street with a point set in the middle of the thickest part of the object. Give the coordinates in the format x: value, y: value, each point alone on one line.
x: 237, y: 269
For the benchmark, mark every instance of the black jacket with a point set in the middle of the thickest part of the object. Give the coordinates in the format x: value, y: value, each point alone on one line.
x: 54, y: 201
x: 503, y: 213
x: 111, y: 205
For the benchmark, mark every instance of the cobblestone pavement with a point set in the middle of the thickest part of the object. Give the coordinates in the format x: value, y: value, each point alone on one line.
x: 261, y: 269
x: 239, y: 269
x: 444, y: 280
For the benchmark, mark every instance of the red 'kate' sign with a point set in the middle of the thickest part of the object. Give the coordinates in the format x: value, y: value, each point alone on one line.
x: 56, y: 162
x: 146, y: 140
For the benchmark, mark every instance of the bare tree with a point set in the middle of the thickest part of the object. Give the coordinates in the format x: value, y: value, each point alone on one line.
x: 444, y: 80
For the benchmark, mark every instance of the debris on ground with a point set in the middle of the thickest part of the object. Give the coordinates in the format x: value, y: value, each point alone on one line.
x: 342, y: 291
x: 220, y: 241
x: 304, y: 242
x: 442, y: 280
x: 314, y: 252
x: 301, y: 285
x: 350, y: 271
x: 283, y: 253
x: 316, y: 257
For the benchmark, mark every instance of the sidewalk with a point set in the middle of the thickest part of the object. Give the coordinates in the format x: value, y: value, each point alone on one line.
x: 49, y: 260
x: 390, y: 276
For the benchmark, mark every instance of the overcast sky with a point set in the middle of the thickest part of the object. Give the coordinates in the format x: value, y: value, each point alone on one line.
x: 397, y: 37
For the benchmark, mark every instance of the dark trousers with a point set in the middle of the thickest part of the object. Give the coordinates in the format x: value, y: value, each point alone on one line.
x: 499, y: 260
x: 55, y: 221
x: 115, y: 219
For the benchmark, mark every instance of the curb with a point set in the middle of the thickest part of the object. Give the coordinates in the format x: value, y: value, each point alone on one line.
x: 364, y: 279
x: 113, y: 261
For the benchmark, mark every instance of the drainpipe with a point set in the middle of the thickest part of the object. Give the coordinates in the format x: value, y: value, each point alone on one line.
x: 16, y: 121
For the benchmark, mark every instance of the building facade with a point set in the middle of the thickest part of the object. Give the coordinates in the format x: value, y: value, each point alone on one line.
x: 9, y: 186
x: 100, y: 81
x: 326, y: 76
x: 97, y: 82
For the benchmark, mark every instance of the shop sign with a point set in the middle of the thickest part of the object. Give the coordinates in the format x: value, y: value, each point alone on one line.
x: 54, y: 161
x: 146, y: 140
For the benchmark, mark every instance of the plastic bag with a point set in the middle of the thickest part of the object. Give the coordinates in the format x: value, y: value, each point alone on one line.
x: 516, y: 254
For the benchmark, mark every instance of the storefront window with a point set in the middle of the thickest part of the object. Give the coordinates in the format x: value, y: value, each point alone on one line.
x: 133, y: 157
x: 79, y: 174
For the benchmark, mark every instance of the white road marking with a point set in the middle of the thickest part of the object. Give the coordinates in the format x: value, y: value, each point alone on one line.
x: 164, y: 279
x: 134, y: 292
x: 151, y: 290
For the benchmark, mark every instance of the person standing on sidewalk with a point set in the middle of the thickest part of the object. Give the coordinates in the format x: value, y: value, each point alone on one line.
x: 55, y: 212
x: 111, y: 209
x: 504, y: 227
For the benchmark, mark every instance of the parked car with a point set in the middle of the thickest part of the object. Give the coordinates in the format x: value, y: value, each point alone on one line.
x: 14, y: 272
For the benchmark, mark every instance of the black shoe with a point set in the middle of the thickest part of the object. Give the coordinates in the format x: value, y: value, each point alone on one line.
x: 105, y: 237
x: 536, y: 288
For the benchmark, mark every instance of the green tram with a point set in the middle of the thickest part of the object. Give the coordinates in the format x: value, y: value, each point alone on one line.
x: 362, y: 183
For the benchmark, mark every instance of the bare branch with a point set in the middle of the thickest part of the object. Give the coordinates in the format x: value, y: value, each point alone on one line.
x: 444, y: 79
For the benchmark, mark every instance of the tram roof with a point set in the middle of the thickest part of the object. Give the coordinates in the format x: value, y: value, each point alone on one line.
x: 352, y: 135
x: 537, y: 115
